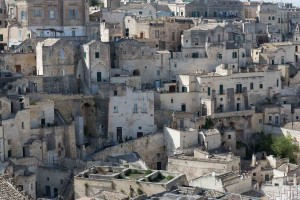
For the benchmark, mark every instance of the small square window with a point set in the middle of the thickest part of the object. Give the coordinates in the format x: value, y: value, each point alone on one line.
x: 140, y: 127
x: 254, y: 174
x: 97, y: 55
x: 229, y: 137
x: 297, y: 117
x: 260, y: 121
x: 221, y: 99
x: 261, y: 86
x: 115, y: 109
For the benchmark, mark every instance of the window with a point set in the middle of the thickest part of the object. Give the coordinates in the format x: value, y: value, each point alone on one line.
x: 84, y: 55
x: 261, y: 86
x: 47, y: 178
x: 183, y: 107
x: 20, y: 33
x: 221, y: 89
x: 9, y: 141
x: 144, y: 108
x: 238, y: 106
x: 61, y: 181
x: 229, y: 137
x: 282, y: 60
x: 219, y: 38
x: 115, y: 109
x: 23, y: 15
x: 73, y: 14
x: 254, y: 174
x: 135, y: 108
x: 158, y: 72
x: 1, y: 37
x: 51, y: 14
x: 208, y: 91
x: 276, y: 120
x: 270, y: 118
x: 97, y: 55
x: 99, y: 77
x: 219, y: 56
x: 277, y: 82
x: 251, y: 86
x: 62, y: 54
x: 115, y: 92
x: 260, y: 121
x: 195, y: 55
x: 22, y: 125
x: 173, y: 36
x: 37, y: 13
x: 297, y: 117
x: 172, y: 100
x: 184, y: 89
x: 140, y: 12
x: 156, y: 33
x: 239, y: 88
x: 234, y: 55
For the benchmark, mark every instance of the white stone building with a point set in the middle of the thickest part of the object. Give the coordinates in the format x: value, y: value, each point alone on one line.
x: 131, y: 115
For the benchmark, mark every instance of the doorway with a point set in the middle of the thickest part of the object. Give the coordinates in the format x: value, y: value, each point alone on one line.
x: 119, y: 134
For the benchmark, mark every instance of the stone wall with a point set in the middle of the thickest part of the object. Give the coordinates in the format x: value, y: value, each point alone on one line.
x: 150, y: 148
x: 61, y: 84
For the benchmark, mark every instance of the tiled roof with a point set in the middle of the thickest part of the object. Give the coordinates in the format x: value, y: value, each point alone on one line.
x: 9, y: 192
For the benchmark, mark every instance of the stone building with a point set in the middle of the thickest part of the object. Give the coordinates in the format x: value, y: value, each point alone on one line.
x: 223, y: 9
x: 133, y: 120
x: 46, y: 19
x: 163, y: 34
x: 57, y: 57
x: 224, y: 182
x: 130, y: 57
x: 221, y: 91
x: 131, y: 182
x: 10, y: 192
x: 275, y: 54
x: 141, y: 10
x: 209, y: 44
x: 96, y: 63
x: 202, y: 163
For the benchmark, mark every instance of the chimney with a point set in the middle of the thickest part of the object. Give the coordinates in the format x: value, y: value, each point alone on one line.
x: 295, y: 180
x: 253, y: 162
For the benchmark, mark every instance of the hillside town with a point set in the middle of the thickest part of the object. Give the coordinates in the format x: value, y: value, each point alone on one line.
x: 149, y: 100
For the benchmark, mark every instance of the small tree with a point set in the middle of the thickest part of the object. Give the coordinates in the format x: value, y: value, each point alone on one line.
x: 285, y: 147
x: 94, y: 2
